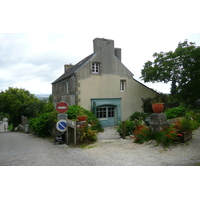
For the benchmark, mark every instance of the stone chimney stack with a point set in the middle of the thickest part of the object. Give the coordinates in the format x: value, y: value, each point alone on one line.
x: 118, y: 53
x: 66, y: 67
x: 101, y: 44
x: 107, y: 47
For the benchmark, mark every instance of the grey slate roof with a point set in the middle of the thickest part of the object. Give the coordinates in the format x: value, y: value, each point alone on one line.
x: 72, y: 70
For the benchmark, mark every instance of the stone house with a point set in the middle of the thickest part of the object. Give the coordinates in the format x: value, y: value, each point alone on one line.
x: 102, y: 84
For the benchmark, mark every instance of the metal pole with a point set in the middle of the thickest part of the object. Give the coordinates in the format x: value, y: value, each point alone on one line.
x: 67, y: 133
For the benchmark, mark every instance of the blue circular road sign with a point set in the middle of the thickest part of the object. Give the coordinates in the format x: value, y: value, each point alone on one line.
x: 61, y: 125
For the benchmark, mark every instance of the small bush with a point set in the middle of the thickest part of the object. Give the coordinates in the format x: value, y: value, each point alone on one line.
x: 142, y: 133
x: 175, y: 112
x: 43, y: 125
x: 10, y: 127
x: 86, y: 134
x: 139, y: 116
x: 73, y: 112
x: 130, y: 127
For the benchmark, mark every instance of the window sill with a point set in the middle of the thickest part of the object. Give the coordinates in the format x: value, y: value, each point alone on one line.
x: 101, y: 119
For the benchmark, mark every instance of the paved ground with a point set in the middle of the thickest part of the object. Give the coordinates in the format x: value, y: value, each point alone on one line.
x: 20, y: 149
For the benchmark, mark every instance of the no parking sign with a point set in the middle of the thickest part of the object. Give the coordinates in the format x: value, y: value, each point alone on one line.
x: 61, y: 125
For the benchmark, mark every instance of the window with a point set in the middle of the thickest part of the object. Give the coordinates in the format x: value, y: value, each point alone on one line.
x: 122, y: 86
x: 101, y: 112
x: 95, y: 68
x: 111, y: 112
x: 105, y: 112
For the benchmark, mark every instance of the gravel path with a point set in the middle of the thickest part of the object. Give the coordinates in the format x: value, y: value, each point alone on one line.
x: 110, y: 150
x: 19, y: 149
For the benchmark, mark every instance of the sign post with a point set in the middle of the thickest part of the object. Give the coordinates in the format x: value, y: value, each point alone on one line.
x: 62, y: 107
x: 61, y: 125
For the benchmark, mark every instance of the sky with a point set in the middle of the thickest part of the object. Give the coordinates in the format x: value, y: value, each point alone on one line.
x: 37, y: 38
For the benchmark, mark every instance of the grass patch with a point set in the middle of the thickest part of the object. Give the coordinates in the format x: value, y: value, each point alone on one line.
x: 87, y: 146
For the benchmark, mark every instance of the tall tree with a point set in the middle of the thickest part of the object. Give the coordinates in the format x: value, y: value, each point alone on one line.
x: 17, y: 102
x: 181, y: 66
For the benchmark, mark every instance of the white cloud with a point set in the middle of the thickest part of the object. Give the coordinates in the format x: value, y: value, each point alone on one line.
x: 140, y: 28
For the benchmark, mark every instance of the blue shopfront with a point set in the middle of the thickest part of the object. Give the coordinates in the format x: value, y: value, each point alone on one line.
x: 108, y: 111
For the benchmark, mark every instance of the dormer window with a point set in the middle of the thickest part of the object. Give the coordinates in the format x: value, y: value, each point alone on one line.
x: 95, y: 68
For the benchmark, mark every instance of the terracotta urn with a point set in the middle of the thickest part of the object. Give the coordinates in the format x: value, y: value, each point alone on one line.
x: 158, y: 107
x: 81, y: 118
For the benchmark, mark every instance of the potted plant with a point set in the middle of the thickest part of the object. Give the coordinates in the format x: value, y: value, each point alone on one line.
x: 81, y: 115
x: 184, y: 126
x: 157, y: 106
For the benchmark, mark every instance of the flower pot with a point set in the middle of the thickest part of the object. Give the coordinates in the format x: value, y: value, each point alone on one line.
x: 158, y: 107
x: 185, y: 136
x: 81, y: 118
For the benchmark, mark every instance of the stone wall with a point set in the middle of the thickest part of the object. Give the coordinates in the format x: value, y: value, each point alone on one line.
x: 158, y: 121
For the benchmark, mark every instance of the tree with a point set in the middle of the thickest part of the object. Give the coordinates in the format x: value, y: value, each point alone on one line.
x: 182, y: 67
x: 17, y: 102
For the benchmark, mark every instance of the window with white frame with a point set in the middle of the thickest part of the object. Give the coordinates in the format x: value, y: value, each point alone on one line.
x: 95, y: 68
x: 122, y: 85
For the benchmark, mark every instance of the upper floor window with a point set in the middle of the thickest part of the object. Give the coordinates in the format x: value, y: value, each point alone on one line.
x: 122, y: 85
x: 95, y: 68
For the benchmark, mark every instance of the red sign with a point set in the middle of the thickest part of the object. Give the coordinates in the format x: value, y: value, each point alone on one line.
x: 62, y: 107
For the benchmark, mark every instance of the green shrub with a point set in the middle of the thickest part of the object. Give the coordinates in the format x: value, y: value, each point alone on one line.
x: 142, y: 133
x: 175, y: 112
x: 130, y: 127
x: 10, y: 127
x: 85, y: 133
x: 73, y: 112
x: 139, y: 116
x: 43, y: 124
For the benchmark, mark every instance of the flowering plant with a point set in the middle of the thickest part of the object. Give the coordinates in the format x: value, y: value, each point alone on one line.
x: 142, y: 133
x: 171, y: 132
x: 165, y: 136
x: 184, y: 124
x: 85, y: 132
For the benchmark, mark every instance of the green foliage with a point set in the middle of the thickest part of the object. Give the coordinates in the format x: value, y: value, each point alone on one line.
x: 187, y: 123
x: 168, y: 135
x: 43, y: 124
x: 139, y: 116
x: 147, y: 107
x: 73, y: 112
x: 130, y: 127
x: 88, y: 130
x: 160, y: 98
x: 142, y: 133
x: 175, y: 112
x: 165, y: 137
x: 10, y: 127
x: 162, y: 138
x: 86, y: 134
x: 181, y: 67
x: 16, y: 102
